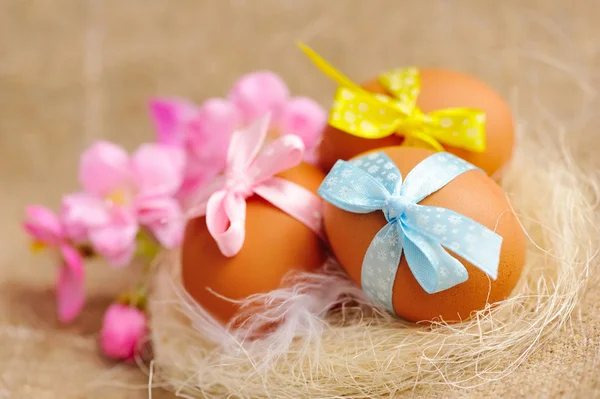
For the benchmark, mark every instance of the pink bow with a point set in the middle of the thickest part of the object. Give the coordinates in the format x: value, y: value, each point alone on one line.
x: 249, y: 172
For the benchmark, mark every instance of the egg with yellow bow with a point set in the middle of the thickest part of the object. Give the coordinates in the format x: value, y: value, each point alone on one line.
x: 438, y: 109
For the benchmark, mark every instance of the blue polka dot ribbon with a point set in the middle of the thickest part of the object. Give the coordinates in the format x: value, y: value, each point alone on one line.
x: 374, y: 183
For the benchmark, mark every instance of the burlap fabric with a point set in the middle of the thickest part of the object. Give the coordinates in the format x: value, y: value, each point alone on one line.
x: 72, y: 72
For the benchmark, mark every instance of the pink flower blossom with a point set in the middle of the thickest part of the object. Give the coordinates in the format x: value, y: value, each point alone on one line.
x: 258, y: 93
x: 43, y: 226
x: 47, y: 231
x: 305, y: 118
x: 203, y: 132
x: 118, y: 191
x: 115, y: 240
x: 81, y: 212
x: 122, y: 331
x: 152, y: 212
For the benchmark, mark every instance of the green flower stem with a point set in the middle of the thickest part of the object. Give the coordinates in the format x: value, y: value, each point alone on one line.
x: 136, y: 298
x: 147, y: 248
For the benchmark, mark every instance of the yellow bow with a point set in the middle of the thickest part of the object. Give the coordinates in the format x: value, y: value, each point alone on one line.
x: 373, y: 116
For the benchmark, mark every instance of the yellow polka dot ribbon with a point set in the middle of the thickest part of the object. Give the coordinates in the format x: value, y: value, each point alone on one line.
x: 373, y: 116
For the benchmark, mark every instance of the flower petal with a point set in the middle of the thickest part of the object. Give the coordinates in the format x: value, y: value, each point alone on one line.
x: 169, y: 116
x: 81, y: 212
x: 70, y: 285
x: 209, y: 133
x: 43, y: 225
x: 196, y: 176
x: 258, y: 93
x: 163, y: 217
x: 158, y: 169
x: 116, y: 240
x: 104, y: 168
x: 304, y: 118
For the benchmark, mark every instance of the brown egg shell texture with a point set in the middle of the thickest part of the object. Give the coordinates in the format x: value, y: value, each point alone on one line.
x: 472, y: 194
x: 275, y: 244
x: 440, y: 89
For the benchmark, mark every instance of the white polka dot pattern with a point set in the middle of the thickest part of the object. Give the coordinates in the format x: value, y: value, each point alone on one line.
x: 422, y: 233
x: 364, y: 114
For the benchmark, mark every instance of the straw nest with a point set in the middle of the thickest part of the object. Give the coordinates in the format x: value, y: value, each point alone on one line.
x: 355, y: 351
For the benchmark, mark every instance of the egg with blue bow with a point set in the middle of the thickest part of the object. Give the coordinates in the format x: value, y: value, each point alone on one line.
x: 427, y: 235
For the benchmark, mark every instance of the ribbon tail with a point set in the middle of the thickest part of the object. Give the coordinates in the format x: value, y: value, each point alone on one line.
x: 327, y: 69
x: 357, y: 111
x: 458, y: 127
x: 434, y: 268
x: 294, y: 200
x: 380, y: 266
x: 465, y: 237
x: 225, y: 220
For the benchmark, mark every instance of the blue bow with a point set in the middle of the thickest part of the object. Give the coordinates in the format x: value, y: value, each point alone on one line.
x: 373, y: 182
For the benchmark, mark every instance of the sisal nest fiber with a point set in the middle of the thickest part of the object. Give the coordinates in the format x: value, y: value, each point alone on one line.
x: 354, y: 351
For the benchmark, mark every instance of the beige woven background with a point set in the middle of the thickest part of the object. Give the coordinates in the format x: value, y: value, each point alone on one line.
x: 73, y: 71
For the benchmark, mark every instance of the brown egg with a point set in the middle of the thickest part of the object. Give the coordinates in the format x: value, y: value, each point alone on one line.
x: 472, y: 194
x: 439, y: 89
x: 275, y: 244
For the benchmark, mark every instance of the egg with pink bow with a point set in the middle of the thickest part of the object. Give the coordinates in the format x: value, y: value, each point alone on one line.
x: 254, y: 224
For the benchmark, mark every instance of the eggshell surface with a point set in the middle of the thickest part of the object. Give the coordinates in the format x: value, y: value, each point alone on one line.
x: 275, y: 244
x: 440, y: 89
x: 472, y: 194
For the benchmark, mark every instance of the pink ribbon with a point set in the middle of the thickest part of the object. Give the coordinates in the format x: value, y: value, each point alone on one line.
x: 251, y: 171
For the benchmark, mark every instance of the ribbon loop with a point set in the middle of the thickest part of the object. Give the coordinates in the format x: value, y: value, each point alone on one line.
x: 244, y: 147
x: 374, y: 116
x: 355, y: 187
x: 362, y: 114
x: 404, y: 84
x: 458, y: 127
x: 252, y: 171
x: 278, y: 156
x: 424, y: 234
x: 226, y: 215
